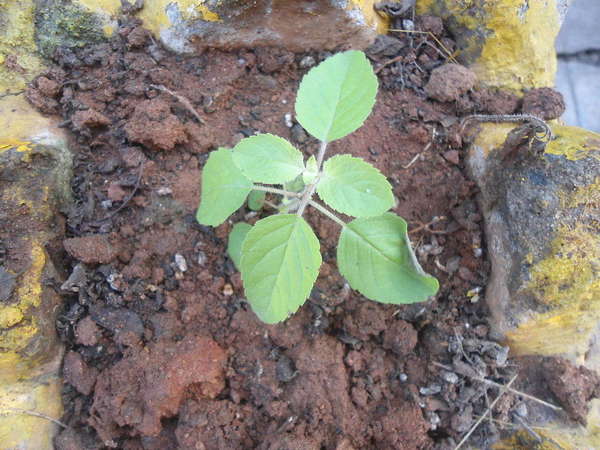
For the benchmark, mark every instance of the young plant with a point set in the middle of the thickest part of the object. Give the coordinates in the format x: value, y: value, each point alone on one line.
x: 279, y: 256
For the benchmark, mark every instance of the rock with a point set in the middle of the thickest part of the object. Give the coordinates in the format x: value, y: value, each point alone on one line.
x: 153, y: 125
x: 48, y: 87
x: 142, y: 388
x: 452, y: 156
x: 307, y: 62
x: 117, y: 320
x: 540, y: 215
x: 87, y: 332
x: 545, y: 103
x: 450, y: 81
x: 91, y: 249
x: 78, y: 373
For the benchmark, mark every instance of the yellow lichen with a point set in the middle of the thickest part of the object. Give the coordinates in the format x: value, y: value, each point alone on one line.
x: 371, y: 17
x: 508, y: 43
x: 20, y: 429
x: 574, y: 143
x: 10, y: 316
x: 20, y: 62
x: 155, y: 18
x: 571, y: 272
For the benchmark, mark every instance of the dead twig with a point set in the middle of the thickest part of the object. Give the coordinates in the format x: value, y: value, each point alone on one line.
x: 388, y: 62
x: 129, y: 197
x: 426, y: 226
x: 412, y: 161
x: 493, y: 383
x: 37, y: 414
x: 449, y: 55
x: 184, y: 101
x: 504, y: 390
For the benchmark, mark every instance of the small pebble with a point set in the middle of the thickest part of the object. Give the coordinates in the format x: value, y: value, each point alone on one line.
x: 227, y: 290
x: 477, y: 252
x: 180, y: 262
x: 306, y: 62
x: 432, y: 389
x: 434, y: 419
x: 201, y: 258
x: 403, y: 377
x: 450, y: 377
x: 164, y: 191
x: 106, y: 204
x: 288, y: 120
x: 408, y: 24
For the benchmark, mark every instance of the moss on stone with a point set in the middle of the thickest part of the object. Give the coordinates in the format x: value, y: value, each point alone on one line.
x: 62, y: 23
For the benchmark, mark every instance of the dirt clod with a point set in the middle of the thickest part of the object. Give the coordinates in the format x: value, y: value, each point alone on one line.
x: 545, y: 103
x: 573, y: 386
x: 448, y: 82
x: 153, y: 125
x: 78, y: 373
x: 144, y: 387
x: 91, y: 249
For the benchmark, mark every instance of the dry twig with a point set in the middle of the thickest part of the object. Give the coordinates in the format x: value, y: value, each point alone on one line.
x: 184, y: 101
x: 504, y: 390
x: 37, y: 414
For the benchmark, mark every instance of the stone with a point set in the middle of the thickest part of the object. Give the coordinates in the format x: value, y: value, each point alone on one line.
x: 540, y: 214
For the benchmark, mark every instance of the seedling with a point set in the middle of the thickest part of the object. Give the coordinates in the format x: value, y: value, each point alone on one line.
x: 279, y: 256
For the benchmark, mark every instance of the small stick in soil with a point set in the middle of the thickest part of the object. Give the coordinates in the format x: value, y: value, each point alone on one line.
x: 504, y: 390
x: 426, y: 226
x: 540, y: 125
x: 388, y: 62
x: 129, y: 197
x: 493, y: 383
x: 37, y: 414
x: 412, y: 161
x: 184, y: 101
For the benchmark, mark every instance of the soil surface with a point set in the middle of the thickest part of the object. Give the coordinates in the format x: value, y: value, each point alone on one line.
x: 163, y: 351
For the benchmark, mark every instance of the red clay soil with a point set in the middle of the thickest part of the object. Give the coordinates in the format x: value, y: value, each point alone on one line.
x: 163, y: 351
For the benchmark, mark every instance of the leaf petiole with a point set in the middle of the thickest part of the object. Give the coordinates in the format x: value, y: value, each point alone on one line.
x: 327, y: 213
x: 259, y: 187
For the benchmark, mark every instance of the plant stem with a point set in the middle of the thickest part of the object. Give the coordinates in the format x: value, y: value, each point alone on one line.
x: 310, y: 189
x: 327, y: 213
x: 259, y: 187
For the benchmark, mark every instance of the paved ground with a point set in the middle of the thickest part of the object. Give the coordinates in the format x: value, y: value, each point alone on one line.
x: 578, y: 78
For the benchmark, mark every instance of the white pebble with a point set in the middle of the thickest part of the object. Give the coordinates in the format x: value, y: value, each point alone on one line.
x: 288, y: 120
x: 180, y: 262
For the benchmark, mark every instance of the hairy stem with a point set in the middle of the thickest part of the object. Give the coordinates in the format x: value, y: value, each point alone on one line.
x: 310, y: 189
x: 327, y: 213
x: 259, y: 187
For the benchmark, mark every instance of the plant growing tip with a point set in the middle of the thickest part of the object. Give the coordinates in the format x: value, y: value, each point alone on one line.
x: 279, y: 257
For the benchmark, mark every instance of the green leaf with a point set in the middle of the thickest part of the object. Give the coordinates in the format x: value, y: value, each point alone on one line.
x: 336, y: 97
x: 266, y: 158
x: 234, y: 243
x: 295, y: 185
x: 353, y: 187
x: 224, y: 188
x: 256, y: 200
x: 280, y: 263
x: 311, y: 171
x: 375, y: 256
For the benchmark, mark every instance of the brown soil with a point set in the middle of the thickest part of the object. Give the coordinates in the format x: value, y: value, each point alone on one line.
x: 164, y: 356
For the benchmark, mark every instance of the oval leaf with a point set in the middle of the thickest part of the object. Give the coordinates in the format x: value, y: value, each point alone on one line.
x: 280, y: 263
x: 236, y: 239
x: 256, y: 200
x: 336, y: 97
x: 224, y: 188
x: 353, y: 187
x: 311, y: 171
x: 376, y: 258
x: 266, y: 158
